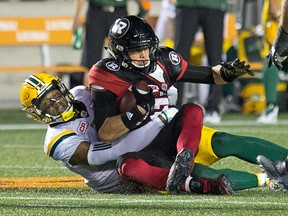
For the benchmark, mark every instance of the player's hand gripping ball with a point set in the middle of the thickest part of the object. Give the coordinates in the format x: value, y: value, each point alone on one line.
x: 128, y: 100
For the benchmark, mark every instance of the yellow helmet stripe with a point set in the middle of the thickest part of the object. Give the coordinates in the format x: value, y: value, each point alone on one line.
x: 57, y: 140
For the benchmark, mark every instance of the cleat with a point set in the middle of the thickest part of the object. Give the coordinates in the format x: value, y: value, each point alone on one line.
x: 220, y: 185
x: 225, y: 185
x: 275, y: 170
x: 180, y: 170
x: 269, y: 116
x: 272, y: 185
x: 212, y: 118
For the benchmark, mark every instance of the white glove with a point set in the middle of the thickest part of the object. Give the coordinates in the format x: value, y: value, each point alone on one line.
x: 172, y: 94
x: 168, y: 114
x: 279, y: 50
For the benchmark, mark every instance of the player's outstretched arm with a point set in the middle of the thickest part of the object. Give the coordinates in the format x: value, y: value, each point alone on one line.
x: 228, y: 71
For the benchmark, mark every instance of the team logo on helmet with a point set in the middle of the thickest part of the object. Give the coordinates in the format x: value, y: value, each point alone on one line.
x: 174, y: 58
x: 120, y: 27
x: 112, y: 66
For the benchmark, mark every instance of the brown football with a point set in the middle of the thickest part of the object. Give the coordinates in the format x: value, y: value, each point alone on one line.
x: 128, y: 100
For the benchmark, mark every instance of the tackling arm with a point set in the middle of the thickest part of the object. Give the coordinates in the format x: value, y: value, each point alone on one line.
x: 98, y: 153
x: 135, y: 140
x: 95, y: 153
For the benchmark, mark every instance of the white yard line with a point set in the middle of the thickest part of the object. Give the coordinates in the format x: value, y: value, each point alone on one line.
x: 29, y: 167
x: 127, y: 200
x: 248, y: 123
x: 22, y: 126
x: 223, y: 123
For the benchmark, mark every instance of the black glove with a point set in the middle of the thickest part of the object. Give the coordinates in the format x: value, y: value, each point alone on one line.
x: 231, y: 70
x: 146, y: 101
x: 135, y: 116
x: 279, y: 50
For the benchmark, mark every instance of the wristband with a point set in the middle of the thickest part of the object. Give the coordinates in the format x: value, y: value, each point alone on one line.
x: 132, y: 118
x: 165, y: 117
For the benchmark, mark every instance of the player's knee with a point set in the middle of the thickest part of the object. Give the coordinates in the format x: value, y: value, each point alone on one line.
x: 122, y: 164
x: 192, y: 109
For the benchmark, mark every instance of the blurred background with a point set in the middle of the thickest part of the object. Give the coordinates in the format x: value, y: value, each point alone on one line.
x: 37, y: 36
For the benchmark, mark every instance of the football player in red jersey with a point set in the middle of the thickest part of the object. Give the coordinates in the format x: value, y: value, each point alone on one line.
x: 71, y: 137
x: 135, y: 56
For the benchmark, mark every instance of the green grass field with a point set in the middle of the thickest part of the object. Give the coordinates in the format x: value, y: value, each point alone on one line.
x: 22, y: 156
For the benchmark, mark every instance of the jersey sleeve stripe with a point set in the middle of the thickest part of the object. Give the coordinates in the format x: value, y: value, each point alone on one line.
x: 57, y: 140
x: 100, y: 147
x: 184, y: 67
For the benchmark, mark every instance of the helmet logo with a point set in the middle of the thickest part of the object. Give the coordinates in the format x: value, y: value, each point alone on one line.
x: 120, y: 27
x: 112, y: 66
x: 174, y: 58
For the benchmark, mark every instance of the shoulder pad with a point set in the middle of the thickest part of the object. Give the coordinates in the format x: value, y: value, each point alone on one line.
x: 171, y: 54
x: 109, y: 64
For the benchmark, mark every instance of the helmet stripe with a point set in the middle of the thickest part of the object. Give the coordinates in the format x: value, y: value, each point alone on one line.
x: 35, y: 82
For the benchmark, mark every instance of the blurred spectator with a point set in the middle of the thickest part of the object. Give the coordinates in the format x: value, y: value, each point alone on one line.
x: 279, y: 50
x: 99, y: 17
x: 209, y: 15
x: 270, y: 75
x: 165, y: 22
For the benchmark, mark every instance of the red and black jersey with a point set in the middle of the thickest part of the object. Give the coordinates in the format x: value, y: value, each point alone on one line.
x: 171, y: 68
x: 109, y: 74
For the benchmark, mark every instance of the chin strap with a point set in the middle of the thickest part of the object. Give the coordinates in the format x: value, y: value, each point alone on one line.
x: 77, y: 109
x: 66, y: 116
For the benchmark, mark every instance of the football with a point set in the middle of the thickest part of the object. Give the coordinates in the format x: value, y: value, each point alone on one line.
x: 128, y: 100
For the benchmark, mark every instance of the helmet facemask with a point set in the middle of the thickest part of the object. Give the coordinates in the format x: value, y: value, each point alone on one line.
x: 145, y: 68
